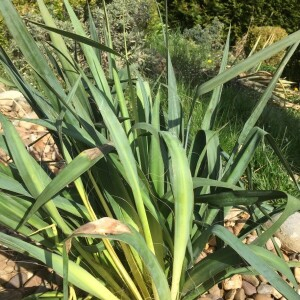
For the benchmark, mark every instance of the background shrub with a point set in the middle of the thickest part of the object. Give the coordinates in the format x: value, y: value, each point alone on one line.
x: 240, y: 14
x: 266, y: 35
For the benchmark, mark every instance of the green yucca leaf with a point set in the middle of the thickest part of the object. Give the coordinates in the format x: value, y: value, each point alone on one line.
x: 52, y: 295
x: 292, y: 205
x: 277, y: 263
x: 67, y: 63
x: 10, y: 184
x: 13, y: 208
x: 266, y: 96
x: 127, y: 159
x: 174, y: 106
x: 221, y: 262
x: 210, y: 114
x: 89, y: 53
x: 79, y: 38
x: 204, y: 155
x: 30, y: 50
x: 83, y: 162
x: 248, y: 63
x: 94, y: 33
x: 281, y: 157
x: 182, y: 186
x: 108, y: 228
x: 238, y: 198
x: 201, y: 182
x: 77, y: 275
x: 35, y: 99
x: 156, y: 164
x: 257, y: 258
x: 32, y: 174
x: 244, y: 156
x: 255, y: 261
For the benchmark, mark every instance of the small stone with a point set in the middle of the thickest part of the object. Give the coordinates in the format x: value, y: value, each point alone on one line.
x: 262, y: 297
x: 285, y: 257
x: 17, y: 281
x: 276, y: 294
x: 289, y: 233
x: 251, y: 238
x: 6, y: 102
x: 34, y: 281
x: 262, y: 278
x: 25, y: 124
x: 233, y: 214
x: 230, y: 295
x: 47, y: 149
x: 5, y: 278
x: 297, y: 273
x: 265, y: 289
x: 215, y: 292
x: 240, y: 294
x: 269, y: 245
x: 3, y: 257
x: 53, y: 157
x: 6, y: 108
x: 2, y: 87
x: 31, y: 115
x: 201, y: 256
x: 238, y: 227
x: 278, y: 242
x: 10, y: 95
x: 9, y: 268
x: 234, y: 282
x: 248, y: 288
x: 230, y: 229
x: 251, y: 279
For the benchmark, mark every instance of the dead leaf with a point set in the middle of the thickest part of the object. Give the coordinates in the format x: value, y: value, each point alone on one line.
x: 102, y: 226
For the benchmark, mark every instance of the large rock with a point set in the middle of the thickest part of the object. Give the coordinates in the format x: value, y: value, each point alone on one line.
x: 289, y: 233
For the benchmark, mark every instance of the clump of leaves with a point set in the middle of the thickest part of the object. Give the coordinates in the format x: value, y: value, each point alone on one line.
x: 146, y: 195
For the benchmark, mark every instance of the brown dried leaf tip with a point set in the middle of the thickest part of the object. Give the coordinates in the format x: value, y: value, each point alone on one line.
x: 94, y: 153
x: 102, y: 226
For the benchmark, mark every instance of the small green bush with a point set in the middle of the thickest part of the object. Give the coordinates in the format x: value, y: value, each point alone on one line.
x: 195, y: 53
x: 266, y: 35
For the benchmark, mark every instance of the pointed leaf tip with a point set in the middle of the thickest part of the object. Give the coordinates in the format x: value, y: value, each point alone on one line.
x: 103, y: 226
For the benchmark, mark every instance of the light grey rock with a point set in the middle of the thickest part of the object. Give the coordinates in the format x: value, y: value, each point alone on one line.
x: 10, y: 95
x: 289, y: 233
x: 265, y: 289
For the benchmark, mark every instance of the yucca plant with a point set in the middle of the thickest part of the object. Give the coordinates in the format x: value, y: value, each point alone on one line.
x: 145, y: 196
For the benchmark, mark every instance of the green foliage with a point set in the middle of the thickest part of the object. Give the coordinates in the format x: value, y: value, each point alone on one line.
x: 196, y: 53
x: 146, y: 194
x: 240, y: 14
